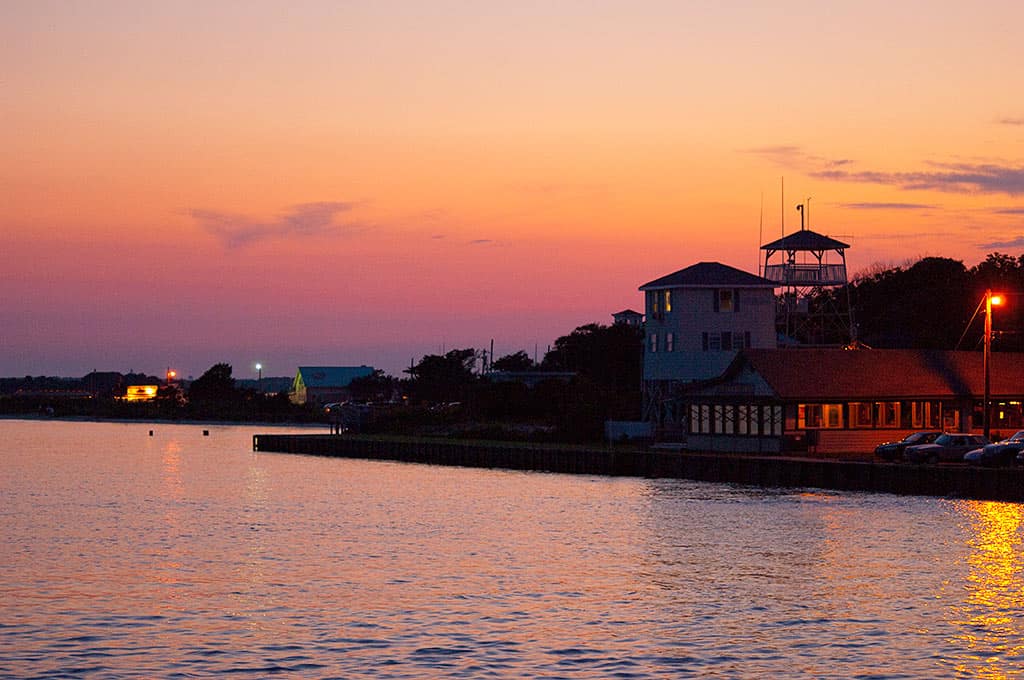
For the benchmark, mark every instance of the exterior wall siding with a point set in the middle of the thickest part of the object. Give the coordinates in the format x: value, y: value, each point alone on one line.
x: 693, y: 314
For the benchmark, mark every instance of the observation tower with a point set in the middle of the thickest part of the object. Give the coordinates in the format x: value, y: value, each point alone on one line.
x: 814, y: 308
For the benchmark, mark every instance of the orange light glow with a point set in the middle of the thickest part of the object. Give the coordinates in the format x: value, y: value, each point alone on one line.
x: 997, y: 299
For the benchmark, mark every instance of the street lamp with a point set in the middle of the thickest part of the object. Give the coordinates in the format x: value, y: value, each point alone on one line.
x: 990, y: 300
x: 170, y: 375
x: 259, y: 378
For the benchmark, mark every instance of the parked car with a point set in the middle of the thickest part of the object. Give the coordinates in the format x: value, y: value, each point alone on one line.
x: 998, y: 454
x: 894, y: 450
x: 1004, y: 452
x: 946, y: 447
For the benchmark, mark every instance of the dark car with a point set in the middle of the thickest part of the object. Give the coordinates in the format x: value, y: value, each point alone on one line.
x: 1004, y: 452
x: 946, y: 447
x: 894, y: 450
x: 998, y: 454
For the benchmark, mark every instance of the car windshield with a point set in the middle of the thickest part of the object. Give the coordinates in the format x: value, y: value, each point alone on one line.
x: 944, y: 439
x: 920, y: 438
x: 1017, y: 436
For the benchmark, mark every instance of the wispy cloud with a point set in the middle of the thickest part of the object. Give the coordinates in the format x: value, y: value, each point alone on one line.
x: 482, y: 242
x: 986, y: 178
x: 793, y: 156
x: 1012, y: 243
x: 1011, y: 121
x: 886, y: 206
x: 298, y: 221
x: 1008, y: 211
x: 904, y: 236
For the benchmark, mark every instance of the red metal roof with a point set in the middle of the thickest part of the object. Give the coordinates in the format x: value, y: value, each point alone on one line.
x: 837, y: 375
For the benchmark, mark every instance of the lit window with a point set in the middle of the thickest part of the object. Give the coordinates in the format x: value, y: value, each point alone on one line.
x: 860, y: 414
x: 668, y: 301
x: 670, y: 342
x: 654, y: 342
x: 725, y: 300
x: 887, y: 414
x: 819, y: 416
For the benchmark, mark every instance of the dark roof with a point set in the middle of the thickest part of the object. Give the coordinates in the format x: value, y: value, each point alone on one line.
x: 709, y: 275
x: 332, y: 376
x: 805, y: 239
x: 867, y: 374
x: 627, y: 311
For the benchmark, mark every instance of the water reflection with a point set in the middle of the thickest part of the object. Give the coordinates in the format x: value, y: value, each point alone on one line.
x: 988, y: 617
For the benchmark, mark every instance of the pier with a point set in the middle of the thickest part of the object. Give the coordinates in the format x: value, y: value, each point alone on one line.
x: 950, y: 481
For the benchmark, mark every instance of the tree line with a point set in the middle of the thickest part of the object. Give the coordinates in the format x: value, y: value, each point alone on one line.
x: 932, y: 304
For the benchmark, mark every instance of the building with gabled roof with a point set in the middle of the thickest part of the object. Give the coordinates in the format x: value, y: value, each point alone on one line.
x: 840, y: 400
x: 697, y: 319
x: 325, y: 384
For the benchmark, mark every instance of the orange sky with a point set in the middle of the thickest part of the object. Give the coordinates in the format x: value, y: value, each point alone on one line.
x: 350, y: 183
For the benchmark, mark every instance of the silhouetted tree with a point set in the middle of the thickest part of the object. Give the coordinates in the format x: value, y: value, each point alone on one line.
x: 610, y: 356
x: 216, y: 385
x: 520, y: 361
x: 443, y: 378
x: 377, y: 386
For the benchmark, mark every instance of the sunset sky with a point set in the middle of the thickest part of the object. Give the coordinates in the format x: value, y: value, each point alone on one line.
x: 343, y: 183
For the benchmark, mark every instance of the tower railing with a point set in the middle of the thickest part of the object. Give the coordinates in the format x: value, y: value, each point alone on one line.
x: 806, y: 274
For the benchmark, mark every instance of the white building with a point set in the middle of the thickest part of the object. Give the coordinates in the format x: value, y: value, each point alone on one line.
x: 698, y: 318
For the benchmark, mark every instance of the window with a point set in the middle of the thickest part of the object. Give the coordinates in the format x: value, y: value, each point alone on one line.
x: 724, y: 300
x: 670, y: 342
x: 926, y: 415
x: 726, y: 340
x: 776, y: 420
x: 700, y: 419
x: 653, y: 299
x: 654, y: 342
x: 860, y: 414
x: 668, y: 301
x: 887, y: 414
x: 814, y: 416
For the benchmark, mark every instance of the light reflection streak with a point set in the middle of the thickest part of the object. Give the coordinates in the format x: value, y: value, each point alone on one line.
x: 988, y: 617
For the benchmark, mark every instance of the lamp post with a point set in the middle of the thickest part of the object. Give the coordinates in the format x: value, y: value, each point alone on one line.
x: 990, y: 300
x: 259, y: 377
x: 170, y: 375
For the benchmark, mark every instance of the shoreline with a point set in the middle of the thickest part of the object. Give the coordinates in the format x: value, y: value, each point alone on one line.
x: 157, y: 421
x: 944, y: 481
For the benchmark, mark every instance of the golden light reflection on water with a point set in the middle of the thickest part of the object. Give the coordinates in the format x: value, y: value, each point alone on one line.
x: 989, y: 615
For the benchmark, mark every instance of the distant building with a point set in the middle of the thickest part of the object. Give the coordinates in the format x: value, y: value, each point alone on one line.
x: 325, y: 384
x: 628, y: 317
x: 140, y: 393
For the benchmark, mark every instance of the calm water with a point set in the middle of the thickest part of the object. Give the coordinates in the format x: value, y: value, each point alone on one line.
x: 180, y: 555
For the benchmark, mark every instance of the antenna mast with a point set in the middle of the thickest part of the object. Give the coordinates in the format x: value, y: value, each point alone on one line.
x: 782, y: 206
x: 760, y: 234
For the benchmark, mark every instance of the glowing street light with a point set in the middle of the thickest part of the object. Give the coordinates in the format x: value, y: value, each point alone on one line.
x: 171, y: 375
x: 990, y: 299
x: 259, y: 377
